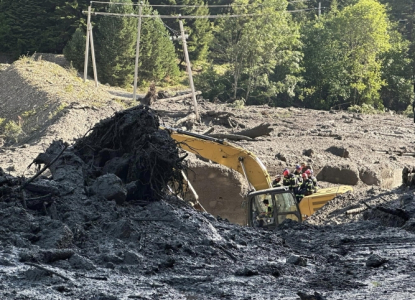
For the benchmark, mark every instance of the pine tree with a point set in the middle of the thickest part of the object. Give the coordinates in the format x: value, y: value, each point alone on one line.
x: 199, y: 30
x: 75, y: 49
x: 115, y: 45
x: 157, y: 55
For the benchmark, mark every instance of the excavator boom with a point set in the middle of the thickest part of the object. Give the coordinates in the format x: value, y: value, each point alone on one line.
x: 225, y: 154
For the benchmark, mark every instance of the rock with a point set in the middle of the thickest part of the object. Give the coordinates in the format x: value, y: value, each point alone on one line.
x: 117, y: 166
x: 56, y: 236
x: 131, y: 258
x: 280, y: 157
x: 345, y: 174
x: 409, y: 225
x: 246, y: 272
x: 79, y: 262
x: 110, y: 187
x: 375, y: 261
x: 316, y: 296
x: 339, y: 151
x: 369, y: 176
x: 309, y: 152
x: 297, y: 260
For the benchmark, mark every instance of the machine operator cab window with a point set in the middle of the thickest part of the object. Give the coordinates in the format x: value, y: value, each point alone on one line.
x: 269, y: 208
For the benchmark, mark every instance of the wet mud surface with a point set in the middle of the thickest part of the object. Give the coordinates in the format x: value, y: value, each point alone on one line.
x: 62, y: 237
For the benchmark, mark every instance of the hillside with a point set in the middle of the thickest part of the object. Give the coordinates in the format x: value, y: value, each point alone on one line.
x: 78, y: 244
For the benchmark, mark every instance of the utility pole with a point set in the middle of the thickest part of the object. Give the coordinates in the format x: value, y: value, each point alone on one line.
x: 88, y: 23
x: 319, y: 9
x: 137, y: 50
x: 189, y: 69
x: 94, y: 65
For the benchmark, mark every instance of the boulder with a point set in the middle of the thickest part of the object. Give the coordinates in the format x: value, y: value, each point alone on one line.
x: 79, y: 262
x: 110, y: 187
x: 339, y: 151
x: 369, y: 176
x: 375, y: 261
x: 384, y: 175
x: 345, y: 174
x: 309, y: 152
x: 297, y: 260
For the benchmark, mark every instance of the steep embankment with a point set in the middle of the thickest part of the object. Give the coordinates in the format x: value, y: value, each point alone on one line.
x: 41, y: 101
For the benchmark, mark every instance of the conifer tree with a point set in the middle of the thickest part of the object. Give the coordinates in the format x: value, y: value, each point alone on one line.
x: 75, y: 49
x: 199, y: 30
x: 115, y: 45
x: 158, y: 59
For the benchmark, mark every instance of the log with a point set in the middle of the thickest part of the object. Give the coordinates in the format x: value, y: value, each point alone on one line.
x: 207, y: 131
x: 229, y: 136
x: 260, y: 130
x: 191, y: 118
x: 177, y: 98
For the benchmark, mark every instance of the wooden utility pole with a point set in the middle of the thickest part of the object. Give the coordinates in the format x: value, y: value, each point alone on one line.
x: 319, y: 9
x: 94, y: 66
x: 88, y: 23
x: 189, y: 70
x: 137, y: 50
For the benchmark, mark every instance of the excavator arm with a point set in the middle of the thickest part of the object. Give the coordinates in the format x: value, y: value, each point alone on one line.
x: 221, y: 152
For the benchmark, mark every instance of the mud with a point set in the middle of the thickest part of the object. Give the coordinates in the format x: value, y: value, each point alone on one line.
x: 80, y: 245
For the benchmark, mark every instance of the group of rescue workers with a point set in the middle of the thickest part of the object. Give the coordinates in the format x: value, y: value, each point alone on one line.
x: 301, y: 182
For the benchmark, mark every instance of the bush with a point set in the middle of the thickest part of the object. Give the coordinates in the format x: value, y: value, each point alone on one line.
x: 12, y: 131
x: 409, y: 111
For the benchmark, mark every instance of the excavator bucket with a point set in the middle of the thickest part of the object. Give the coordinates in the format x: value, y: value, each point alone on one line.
x: 310, y: 204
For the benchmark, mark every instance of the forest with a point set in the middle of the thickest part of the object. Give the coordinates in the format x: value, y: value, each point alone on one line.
x: 328, y: 54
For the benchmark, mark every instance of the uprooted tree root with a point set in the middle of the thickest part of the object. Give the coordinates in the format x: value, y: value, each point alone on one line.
x: 131, y: 146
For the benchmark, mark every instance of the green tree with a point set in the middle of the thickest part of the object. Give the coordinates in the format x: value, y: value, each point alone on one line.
x: 75, y: 49
x: 252, y: 48
x: 199, y: 30
x: 114, y: 39
x: 158, y: 59
x: 343, y: 53
x: 397, y: 93
x: 41, y: 26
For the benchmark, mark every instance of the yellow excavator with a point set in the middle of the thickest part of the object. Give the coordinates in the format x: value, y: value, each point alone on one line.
x: 282, y: 203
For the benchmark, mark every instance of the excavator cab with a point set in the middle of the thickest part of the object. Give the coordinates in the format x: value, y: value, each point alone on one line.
x: 269, y: 208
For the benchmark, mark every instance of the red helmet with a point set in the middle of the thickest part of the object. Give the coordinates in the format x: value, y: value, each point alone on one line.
x: 305, y: 176
x: 286, y: 172
x: 308, y: 171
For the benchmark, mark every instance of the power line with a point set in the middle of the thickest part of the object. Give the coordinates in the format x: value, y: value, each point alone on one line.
x: 173, y: 17
x: 190, y: 16
x: 178, y: 6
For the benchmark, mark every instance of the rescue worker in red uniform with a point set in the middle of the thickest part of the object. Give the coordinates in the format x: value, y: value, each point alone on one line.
x: 290, y: 180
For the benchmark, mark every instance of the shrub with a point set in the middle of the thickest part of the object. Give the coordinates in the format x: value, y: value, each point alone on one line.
x: 409, y: 111
x: 12, y: 131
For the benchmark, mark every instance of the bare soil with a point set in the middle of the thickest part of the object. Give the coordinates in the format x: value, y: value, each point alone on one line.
x: 93, y: 248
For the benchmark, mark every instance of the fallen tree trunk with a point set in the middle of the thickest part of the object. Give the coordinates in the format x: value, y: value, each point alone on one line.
x: 260, y: 130
x: 229, y: 136
x: 181, y: 97
x: 189, y: 118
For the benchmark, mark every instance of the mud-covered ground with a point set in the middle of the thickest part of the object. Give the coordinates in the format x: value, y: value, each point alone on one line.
x: 84, y: 246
